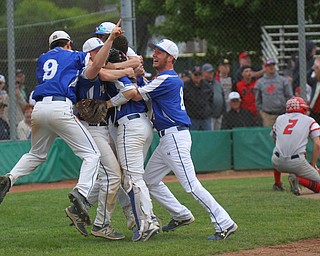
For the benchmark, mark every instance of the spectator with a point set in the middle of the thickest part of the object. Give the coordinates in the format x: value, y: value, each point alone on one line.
x: 311, y: 51
x: 219, y: 105
x: 4, y: 97
x: 185, y: 75
x: 225, y: 79
x: 245, y: 60
x: 272, y: 92
x: 4, y: 126
x: 237, y: 116
x: 198, y: 100
x: 20, y: 83
x: 315, y: 99
x: 24, y: 126
x: 208, y: 73
x: 246, y: 90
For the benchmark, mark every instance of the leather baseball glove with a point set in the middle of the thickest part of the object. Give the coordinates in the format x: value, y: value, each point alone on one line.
x: 92, y: 111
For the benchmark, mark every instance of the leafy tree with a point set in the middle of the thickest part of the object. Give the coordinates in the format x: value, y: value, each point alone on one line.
x: 227, y: 25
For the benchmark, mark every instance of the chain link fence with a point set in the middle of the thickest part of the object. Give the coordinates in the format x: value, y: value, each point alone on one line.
x: 211, y: 36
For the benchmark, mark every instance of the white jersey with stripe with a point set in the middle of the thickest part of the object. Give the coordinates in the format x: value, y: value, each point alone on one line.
x: 292, y: 131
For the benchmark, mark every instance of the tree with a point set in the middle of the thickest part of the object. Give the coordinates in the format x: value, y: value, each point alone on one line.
x: 227, y: 25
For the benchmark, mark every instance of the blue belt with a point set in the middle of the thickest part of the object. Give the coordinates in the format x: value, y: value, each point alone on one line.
x: 179, y: 128
x: 54, y: 98
x: 292, y: 157
x: 100, y: 124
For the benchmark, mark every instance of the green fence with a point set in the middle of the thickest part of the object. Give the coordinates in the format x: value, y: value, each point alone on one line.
x: 241, y: 149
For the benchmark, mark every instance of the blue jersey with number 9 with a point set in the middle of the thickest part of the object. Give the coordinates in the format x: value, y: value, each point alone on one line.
x: 57, y: 73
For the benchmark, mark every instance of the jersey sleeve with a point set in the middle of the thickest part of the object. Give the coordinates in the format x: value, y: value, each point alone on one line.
x: 314, y: 130
x: 154, y: 88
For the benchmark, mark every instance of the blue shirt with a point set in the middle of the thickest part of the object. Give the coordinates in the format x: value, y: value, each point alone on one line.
x: 91, y: 89
x: 131, y: 106
x: 166, y: 92
x: 57, y: 73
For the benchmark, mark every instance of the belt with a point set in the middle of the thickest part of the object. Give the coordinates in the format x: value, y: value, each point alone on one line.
x: 291, y: 157
x: 129, y: 117
x: 54, y: 98
x: 172, y: 129
x: 100, y: 124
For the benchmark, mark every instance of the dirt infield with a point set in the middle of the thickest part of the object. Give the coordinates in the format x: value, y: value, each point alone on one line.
x: 309, y: 247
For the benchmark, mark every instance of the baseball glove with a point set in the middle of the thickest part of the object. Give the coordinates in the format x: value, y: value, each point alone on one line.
x: 92, y: 111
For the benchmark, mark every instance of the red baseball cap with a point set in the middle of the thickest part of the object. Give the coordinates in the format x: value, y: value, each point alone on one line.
x: 269, y: 62
x: 243, y: 55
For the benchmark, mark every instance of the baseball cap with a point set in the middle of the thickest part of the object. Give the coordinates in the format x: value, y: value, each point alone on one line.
x: 234, y: 96
x: 224, y: 62
x: 167, y: 46
x: 243, y: 55
x: 92, y: 44
x: 105, y: 28
x: 57, y: 35
x: 2, y: 79
x: 207, y: 67
x: 269, y: 62
x: 196, y: 70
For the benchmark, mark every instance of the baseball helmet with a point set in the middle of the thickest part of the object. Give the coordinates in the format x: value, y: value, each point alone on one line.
x: 296, y: 104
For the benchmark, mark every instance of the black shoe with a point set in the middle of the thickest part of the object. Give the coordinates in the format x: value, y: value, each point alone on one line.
x: 278, y: 187
x: 79, y: 224
x: 5, y: 185
x: 81, y: 205
x: 174, y: 224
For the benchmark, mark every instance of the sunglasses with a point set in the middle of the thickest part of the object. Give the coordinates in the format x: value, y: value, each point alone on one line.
x: 197, y: 74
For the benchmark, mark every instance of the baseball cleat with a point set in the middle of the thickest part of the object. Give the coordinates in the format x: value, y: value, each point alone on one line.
x: 153, y: 230
x: 224, y: 234
x: 76, y: 220
x: 174, y: 224
x: 80, y: 203
x: 5, y: 185
x: 106, y: 232
x: 294, y: 184
x: 278, y: 187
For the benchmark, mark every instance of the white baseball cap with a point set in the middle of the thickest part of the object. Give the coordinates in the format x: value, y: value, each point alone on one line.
x: 105, y: 28
x: 57, y: 35
x: 234, y: 96
x: 2, y: 79
x: 167, y: 46
x: 92, y: 44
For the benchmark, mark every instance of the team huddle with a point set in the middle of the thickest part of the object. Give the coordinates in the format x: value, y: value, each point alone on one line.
x: 99, y: 102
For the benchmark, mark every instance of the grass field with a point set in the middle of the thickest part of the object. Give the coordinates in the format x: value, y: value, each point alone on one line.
x: 34, y: 223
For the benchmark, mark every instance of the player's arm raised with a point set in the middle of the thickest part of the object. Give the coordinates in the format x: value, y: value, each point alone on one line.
x: 92, y: 70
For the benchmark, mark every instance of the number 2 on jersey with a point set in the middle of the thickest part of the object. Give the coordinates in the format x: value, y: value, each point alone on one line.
x: 289, y: 127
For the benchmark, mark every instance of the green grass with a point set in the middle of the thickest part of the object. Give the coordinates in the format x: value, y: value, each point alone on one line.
x: 34, y: 223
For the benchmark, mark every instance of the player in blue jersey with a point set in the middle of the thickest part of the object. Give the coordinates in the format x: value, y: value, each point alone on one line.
x: 57, y: 72
x: 109, y: 176
x: 173, y: 152
x: 134, y: 137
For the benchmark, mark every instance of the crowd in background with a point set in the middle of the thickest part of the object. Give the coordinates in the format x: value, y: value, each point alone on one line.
x: 221, y: 98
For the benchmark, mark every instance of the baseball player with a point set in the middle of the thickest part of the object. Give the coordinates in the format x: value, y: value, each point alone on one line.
x: 109, y: 176
x: 134, y: 137
x: 173, y: 152
x: 103, y: 32
x: 58, y: 71
x: 291, y: 132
